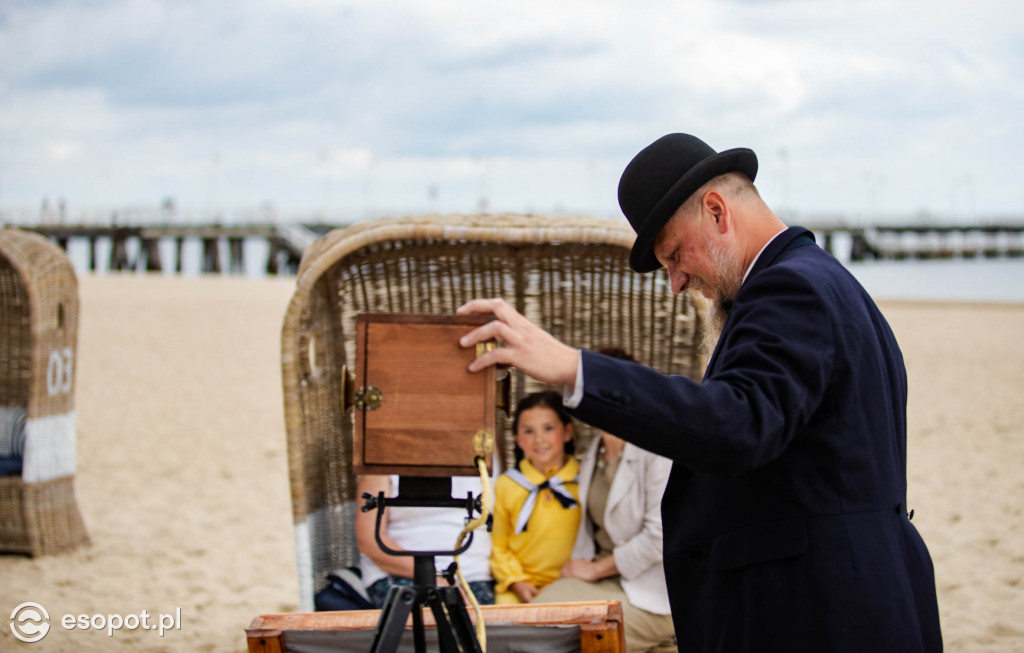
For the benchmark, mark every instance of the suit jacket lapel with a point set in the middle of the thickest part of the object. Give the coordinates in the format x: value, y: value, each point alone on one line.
x: 781, y: 243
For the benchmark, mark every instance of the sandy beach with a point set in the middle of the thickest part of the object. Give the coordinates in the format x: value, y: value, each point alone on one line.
x: 183, y: 482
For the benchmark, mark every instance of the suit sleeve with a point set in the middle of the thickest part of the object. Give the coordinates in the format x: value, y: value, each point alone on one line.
x: 770, y: 373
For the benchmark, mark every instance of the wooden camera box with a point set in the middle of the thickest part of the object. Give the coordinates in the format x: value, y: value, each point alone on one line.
x: 418, y: 410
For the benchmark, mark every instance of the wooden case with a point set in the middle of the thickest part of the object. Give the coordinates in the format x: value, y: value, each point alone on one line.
x: 418, y: 409
x: 596, y: 627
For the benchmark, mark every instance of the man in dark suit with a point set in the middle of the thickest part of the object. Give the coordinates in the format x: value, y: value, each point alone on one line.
x: 785, y: 517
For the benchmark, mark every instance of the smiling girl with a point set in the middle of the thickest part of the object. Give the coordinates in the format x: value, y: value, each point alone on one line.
x: 536, y: 511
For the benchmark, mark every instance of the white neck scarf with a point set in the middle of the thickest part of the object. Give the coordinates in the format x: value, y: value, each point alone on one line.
x: 555, y: 484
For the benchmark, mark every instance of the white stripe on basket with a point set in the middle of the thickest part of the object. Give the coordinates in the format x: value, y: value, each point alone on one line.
x: 49, y: 448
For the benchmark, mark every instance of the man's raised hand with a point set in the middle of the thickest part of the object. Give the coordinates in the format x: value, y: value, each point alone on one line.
x: 526, y: 346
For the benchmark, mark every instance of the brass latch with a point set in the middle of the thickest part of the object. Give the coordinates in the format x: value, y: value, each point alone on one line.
x: 369, y: 398
x: 484, y: 347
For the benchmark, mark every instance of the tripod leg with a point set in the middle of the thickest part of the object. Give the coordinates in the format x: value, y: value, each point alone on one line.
x: 419, y: 635
x: 455, y: 633
x: 388, y: 635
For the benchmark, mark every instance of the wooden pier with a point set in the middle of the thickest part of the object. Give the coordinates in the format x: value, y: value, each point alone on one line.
x: 224, y: 249
x: 221, y: 248
x: 899, y: 242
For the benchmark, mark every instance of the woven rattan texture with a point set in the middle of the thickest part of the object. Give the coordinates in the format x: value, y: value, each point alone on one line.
x: 570, y: 276
x: 39, y: 303
x: 40, y: 518
x: 15, y: 337
x: 38, y: 337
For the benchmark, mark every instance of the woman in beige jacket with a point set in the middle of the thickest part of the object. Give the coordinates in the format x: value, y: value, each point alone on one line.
x: 618, y: 550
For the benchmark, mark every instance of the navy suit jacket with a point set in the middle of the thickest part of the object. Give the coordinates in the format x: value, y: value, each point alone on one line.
x: 785, y: 518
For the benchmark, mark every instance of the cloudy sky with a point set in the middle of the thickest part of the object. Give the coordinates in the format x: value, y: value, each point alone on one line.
x: 352, y: 108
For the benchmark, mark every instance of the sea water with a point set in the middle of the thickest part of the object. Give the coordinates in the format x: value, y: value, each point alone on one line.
x: 971, y: 280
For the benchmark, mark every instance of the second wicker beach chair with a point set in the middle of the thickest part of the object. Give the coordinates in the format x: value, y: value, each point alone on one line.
x: 38, y: 343
x: 570, y: 276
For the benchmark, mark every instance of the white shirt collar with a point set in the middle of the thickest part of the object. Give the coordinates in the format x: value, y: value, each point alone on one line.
x: 752, y: 263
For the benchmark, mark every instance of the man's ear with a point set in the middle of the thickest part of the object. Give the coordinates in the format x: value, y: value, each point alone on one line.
x: 716, y: 208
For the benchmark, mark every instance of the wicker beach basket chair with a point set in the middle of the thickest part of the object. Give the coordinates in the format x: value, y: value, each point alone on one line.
x: 38, y: 343
x: 571, y: 276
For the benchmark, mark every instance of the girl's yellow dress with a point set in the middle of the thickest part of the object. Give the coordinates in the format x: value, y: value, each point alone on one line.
x: 535, y: 555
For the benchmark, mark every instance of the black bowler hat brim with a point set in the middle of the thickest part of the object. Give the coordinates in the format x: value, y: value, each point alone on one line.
x: 642, y: 258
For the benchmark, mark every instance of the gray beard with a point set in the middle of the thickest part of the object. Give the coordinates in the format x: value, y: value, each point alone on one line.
x: 714, y: 321
x: 720, y: 299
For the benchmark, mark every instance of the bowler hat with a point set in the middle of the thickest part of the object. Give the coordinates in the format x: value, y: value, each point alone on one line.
x: 661, y: 177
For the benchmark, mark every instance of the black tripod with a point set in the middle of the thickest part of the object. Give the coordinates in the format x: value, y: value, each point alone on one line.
x: 455, y: 633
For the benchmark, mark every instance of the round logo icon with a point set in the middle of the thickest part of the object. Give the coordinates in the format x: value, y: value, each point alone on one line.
x: 28, y: 624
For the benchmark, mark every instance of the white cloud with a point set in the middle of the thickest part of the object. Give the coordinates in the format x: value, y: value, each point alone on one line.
x: 350, y: 103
